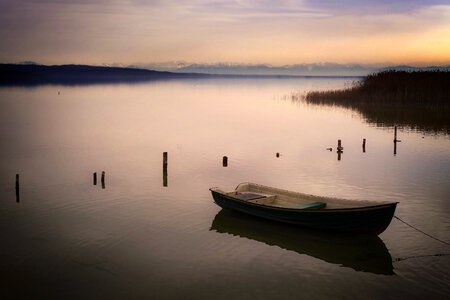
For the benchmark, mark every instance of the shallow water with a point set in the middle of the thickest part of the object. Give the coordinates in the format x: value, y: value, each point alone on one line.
x: 139, y: 239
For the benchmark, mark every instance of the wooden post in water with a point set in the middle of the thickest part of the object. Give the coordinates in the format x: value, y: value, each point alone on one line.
x: 17, y: 189
x: 395, y: 140
x: 165, y: 163
x: 364, y: 146
x: 165, y: 158
x: 225, y: 161
x: 339, y: 149
x: 95, y: 178
x: 103, y: 179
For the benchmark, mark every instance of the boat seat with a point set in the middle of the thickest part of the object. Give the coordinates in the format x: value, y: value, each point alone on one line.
x: 312, y: 205
x: 246, y: 196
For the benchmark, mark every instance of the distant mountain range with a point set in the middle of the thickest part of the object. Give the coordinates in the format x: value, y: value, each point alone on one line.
x: 316, y: 69
x: 30, y: 73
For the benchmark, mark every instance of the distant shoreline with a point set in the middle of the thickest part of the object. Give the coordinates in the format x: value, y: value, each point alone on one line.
x: 30, y: 74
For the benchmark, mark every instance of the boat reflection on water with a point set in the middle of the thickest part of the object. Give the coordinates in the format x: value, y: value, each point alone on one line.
x: 364, y: 253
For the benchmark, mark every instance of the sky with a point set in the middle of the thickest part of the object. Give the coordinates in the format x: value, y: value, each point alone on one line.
x: 276, y: 32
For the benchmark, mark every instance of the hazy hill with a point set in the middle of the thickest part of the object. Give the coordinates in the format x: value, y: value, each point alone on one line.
x: 79, y: 74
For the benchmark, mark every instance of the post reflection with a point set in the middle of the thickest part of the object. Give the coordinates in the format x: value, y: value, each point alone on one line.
x: 165, y: 180
x: 17, y: 195
x: 17, y: 189
x: 363, y: 253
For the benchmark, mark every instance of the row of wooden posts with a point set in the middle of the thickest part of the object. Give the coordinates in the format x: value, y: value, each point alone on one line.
x: 339, y: 149
x: 17, y: 186
x: 102, y: 180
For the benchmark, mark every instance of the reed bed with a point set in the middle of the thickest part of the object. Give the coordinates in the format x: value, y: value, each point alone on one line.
x: 420, y: 99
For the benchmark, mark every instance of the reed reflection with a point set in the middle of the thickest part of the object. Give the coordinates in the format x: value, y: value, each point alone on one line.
x: 360, y: 252
x: 422, y: 119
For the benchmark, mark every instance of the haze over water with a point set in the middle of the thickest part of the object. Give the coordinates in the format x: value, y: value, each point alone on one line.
x: 136, y: 238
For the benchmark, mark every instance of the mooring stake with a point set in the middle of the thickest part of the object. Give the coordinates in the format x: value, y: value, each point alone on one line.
x: 103, y: 179
x: 165, y: 158
x: 225, y: 161
x: 339, y: 147
x: 165, y: 173
x: 395, y: 135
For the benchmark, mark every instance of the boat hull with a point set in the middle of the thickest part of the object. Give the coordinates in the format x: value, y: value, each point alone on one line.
x: 368, y: 220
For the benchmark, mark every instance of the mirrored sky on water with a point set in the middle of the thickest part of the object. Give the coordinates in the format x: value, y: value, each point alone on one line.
x: 137, y: 238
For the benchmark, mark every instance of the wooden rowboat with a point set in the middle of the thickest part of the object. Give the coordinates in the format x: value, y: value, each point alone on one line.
x: 325, y: 213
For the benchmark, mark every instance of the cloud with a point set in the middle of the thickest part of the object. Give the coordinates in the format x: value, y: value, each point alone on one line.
x: 239, y: 10
x: 373, y: 7
x: 277, y: 31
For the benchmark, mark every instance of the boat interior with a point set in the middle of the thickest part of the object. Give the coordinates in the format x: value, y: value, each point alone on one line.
x: 269, y: 196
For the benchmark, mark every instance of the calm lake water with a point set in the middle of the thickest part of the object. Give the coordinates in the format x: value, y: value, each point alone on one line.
x: 138, y: 239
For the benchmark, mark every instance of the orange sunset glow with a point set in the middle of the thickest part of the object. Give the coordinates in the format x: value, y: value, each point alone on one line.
x: 244, y: 32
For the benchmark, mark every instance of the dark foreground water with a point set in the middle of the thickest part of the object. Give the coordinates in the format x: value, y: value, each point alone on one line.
x: 138, y: 239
